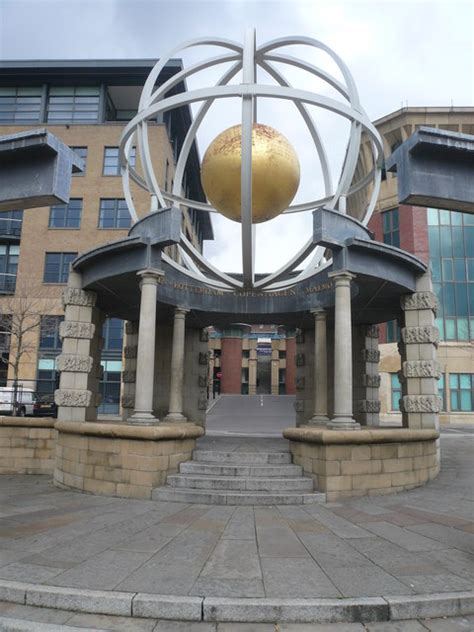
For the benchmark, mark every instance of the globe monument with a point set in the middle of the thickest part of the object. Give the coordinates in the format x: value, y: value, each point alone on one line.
x: 335, y: 290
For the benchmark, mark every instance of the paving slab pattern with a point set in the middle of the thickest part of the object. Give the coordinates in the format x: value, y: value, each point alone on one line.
x: 416, y: 542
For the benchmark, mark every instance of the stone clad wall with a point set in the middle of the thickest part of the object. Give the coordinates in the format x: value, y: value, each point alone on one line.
x: 112, y: 464
x: 374, y: 468
x: 27, y: 445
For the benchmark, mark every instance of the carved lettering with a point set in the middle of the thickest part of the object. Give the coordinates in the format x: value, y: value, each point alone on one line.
x: 75, y: 296
x: 128, y: 401
x: 131, y: 328
x: 129, y: 377
x: 73, y: 397
x: 370, y: 355
x: 421, y: 403
x: 74, y: 363
x: 419, y: 300
x: 300, y: 383
x: 204, y: 335
x: 202, y: 381
x: 202, y: 358
x: 422, y: 368
x: 372, y: 331
x: 371, y: 381
x: 130, y: 351
x: 75, y: 329
x: 368, y: 406
x: 300, y: 359
x: 416, y: 335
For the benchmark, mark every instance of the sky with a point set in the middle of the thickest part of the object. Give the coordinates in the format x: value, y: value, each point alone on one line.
x: 400, y: 53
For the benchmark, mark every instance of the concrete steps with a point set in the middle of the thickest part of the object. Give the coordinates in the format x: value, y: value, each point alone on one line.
x: 218, y: 477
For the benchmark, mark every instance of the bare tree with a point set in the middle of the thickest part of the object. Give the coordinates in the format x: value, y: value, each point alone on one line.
x: 22, y: 318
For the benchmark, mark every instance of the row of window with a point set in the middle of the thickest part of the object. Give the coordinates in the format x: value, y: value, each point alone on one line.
x: 461, y: 392
x: 111, y: 165
x: 113, y: 213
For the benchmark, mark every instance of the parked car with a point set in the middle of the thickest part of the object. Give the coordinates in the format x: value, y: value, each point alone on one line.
x: 25, y: 398
x: 45, y: 406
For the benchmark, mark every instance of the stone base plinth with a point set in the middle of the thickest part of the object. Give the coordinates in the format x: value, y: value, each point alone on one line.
x: 119, y: 459
x: 27, y: 445
x: 365, y: 462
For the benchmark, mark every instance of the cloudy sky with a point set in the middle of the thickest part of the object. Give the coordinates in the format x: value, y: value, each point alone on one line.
x: 400, y: 53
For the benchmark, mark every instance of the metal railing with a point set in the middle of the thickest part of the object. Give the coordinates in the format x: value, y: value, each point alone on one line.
x: 7, y: 283
x: 10, y: 227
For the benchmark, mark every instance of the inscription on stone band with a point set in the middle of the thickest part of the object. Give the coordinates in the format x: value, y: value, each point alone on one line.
x: 73, y: 398
x: 74, y: 296
x: 422, y: 368
x: 74, y: 363
x: 75, y: 329
x: 422, y: 403
x: 419, y: 300
x: 414, y: 335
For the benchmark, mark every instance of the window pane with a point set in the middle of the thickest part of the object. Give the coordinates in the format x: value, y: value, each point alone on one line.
x: 465, y: 380
x: 466, y: 400
x: 454, y: 380
x: 463, y: 329
x: 454, y: 400
x: 459, y: 269
x: 445, y: 241
x: 450, y: 329
x: 448, y: 273
x: 444, y: 217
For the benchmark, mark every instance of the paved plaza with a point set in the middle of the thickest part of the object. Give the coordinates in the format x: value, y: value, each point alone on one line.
x: 414, y: 543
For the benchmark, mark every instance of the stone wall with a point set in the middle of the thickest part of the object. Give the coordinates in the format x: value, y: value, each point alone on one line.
x: 365, y: 374
x: 27, y: 445
x: 365, y: 462
x: 120, y: 460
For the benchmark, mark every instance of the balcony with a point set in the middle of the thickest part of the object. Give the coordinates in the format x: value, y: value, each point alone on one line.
x: 10, y: 229
x: 7, y: 283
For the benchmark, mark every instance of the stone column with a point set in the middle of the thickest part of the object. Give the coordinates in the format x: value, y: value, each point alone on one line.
x: 79, y: 361
x: 175, y: 410
x: 421, y: 403
x: 342, y: 419
x: 252, y: 368
x: 143, y: 414
x: 366, y: 357
x: 275, y: 368
x: 129, y: 373
x: 320, y: 369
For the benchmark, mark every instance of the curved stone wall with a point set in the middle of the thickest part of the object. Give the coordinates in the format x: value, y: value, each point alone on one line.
x: 27, y: 445
x: 365, y: 462
x: 120, y: 460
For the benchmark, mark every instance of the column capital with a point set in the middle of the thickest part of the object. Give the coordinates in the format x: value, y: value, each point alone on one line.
x: 341, y: 275
x: 181, y: 311
x: 150, y: 273
x: 319, y: 313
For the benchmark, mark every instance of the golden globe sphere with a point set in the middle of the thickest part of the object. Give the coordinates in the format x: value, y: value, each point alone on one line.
x: 275, y: 173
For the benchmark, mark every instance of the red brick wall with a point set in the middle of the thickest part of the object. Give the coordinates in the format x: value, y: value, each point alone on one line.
x: 375, y: 225
x: 414, y: 231
x: 290, y: 366
x: 231, y: 365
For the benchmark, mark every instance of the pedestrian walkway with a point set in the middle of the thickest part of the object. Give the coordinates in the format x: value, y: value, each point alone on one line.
x: 419, y: 542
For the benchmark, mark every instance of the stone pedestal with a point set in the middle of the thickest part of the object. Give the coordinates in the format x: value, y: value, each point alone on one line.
x: 175, y: 411
x: 342, y: 418
x: 420, y: 372
x: 143, y: 413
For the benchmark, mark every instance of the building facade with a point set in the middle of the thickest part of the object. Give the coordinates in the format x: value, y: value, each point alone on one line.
x: 445, y: 240
x: 86, y: 105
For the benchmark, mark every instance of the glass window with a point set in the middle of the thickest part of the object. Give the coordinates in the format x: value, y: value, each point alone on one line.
x: 73, y: 104
x: 56, y: 266
x: 49, y: 333
x: 442, y: 392
x: 66, y: 215
x: 113, y: 213
x: 396, y: 391
x: 111, y: 161
x: 461, y: 387
x: 47, y: 376
x: 20, y: 105
x: 112, y: 332
x: 9, y: 255
x: 10, y: 223
x: 393, y: 331
x: 452, y: 270
x: 110, y: 387
x: 390, y: 227
x: 82, y: 153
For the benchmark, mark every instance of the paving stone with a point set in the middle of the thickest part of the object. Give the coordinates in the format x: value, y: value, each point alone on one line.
x: 275, y: 538
x: 405, y: 538
x: 12, y: 591
x: 330, y: 551
x: 447, y: 535
x: 15, y: 625
x: 322, y: 627
x: 363, y: 581
x: 436, y: 583
x: 241, y: 526
x: 19, y: 571
x: 296, y: 578
x: 245, y: 627
x: 339, y: 526
x: 453, y: 624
